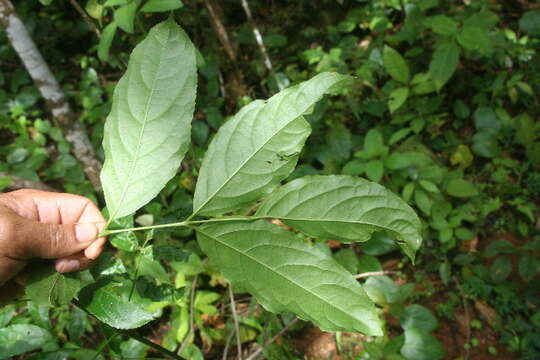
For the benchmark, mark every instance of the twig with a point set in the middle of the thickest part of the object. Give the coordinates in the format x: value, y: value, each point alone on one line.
x: 191, y: 315
x: 21, y: 183
x: 467, y: 318
x: 134, y: 335
x: 85, y: 17
x: 373, y: 273
x: 227, y: 343
x: 235, y: 320
x: 220, y: 30
x: 236, y: 80
x: 269, y: 342
x: 49, y: 88
x: 260, y: 41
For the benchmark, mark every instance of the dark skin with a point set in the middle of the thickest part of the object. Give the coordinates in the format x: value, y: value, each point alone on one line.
x: 38, y: 224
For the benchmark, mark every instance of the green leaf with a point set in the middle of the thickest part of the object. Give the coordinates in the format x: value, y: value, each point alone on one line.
x: 375, y: 170
x: 475, y: 38
x: 258, y: 148
x: 396, y: 161
x: 501, y: 269
x: 48, y: 287
x: 429, y: 186
x: 343, y: 208
x: 423, y: 201
x: 106, y: 40
x: 396, y: 65
x: 347, y: 258
x: 417, y: 316
x: 420, y: 345
x: 398, y: 98
x: 21, y: 338
x: 373, y: 145
x: 486, y: 119
x: 161, y: 5
x: 379, y: 244
x: 530, y: 22
x: 382, y: 290
x: 485, y: 144
x: 125, y: 16
x: 109, y: 301
x: 443, y: 25
x: 528, y: 267
x: 126, y: 241
x: 286, y: 274
x: 147, y: 131
x: 461, y: 188
x: 444, y: 63
x: 94, y: 9
x: 367, y: 263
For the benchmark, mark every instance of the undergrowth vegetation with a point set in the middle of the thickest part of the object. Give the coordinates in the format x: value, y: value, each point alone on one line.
x: 437, y: 102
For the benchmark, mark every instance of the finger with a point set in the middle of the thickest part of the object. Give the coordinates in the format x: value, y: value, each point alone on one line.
x: 50, y: 241
x: 95, y: 249
x: 9, y: 268
x: 73, y: 263
x: 52, y: 208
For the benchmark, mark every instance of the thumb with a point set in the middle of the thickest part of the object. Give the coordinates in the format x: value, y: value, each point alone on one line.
x: 51, y: 241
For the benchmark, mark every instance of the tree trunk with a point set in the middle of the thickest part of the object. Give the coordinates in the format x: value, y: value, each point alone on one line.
x: 50, y: 90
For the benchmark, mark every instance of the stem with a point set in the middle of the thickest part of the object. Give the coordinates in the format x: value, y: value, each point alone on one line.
x: 235, y: 321
x: 191, y: 315
x: 186, y: 223
x: 269, y: 342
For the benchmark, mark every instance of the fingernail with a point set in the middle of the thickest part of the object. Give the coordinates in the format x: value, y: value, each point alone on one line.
x: 85, y: 232
x: 69, y: 266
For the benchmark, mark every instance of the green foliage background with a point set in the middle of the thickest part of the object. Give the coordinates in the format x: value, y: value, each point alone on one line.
x: 444, y: 111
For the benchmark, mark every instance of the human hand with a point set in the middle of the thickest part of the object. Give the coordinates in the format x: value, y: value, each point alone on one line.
x: 39, y: 224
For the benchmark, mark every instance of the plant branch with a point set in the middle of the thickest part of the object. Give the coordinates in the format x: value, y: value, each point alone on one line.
x: 187, y: 223
x: 271, y: 341
x: 191, y: 315
x: 235, y: 320
x: 260, y: 41
x: 466, y: 309
x: 373, y: 273
x: 134, y: 335
x: 237, y: 83
x: 85, y: 17
x: 54, y: 97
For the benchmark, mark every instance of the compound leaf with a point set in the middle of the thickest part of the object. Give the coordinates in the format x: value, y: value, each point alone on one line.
x: 286, y: 274
x: 258, y: 148
x: 148, y: 130
x: 344, y: 208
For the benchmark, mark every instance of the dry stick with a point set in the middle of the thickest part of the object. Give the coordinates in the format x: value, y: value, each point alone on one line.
x: 260, y: 41
x: 269, y: 342
x: 191, y: 315
x: 20, y: 183
x: 235, y: 320
x: 227, y: 343
x: 237, y: 84
x: 220, y: 30
x: 373, y: 273
x: 466, y: 309
x: 50, y: 90
x: 85, y: 17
